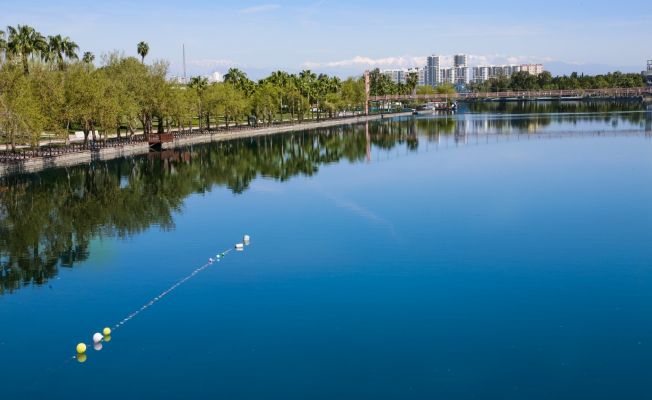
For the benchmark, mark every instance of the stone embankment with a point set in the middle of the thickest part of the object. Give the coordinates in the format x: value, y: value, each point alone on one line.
x: 84, y: 157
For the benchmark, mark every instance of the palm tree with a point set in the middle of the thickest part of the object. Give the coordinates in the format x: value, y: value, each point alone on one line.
x: 3, y: 43
x: 24, y: 41
x: 412, y: 82
x: 280, y: 79
x: 234, y: 75
x: 307, y: 81
x: 88, y: 57
x: 199, y: 84
x: 239, y: 80
x: 60, y: 47
x: 143, y: 49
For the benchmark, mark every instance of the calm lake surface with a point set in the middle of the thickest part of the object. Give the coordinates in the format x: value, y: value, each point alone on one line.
x: 504, y: 252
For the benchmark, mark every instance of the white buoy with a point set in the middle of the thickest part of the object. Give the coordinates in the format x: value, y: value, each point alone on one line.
x: 246, y: 239
x: 239, y: 246
x: 97, y: 337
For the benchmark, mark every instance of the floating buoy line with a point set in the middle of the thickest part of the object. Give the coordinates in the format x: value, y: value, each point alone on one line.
x: 105, y: 336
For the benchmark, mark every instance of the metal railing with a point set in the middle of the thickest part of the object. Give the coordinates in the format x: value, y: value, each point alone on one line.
x: 53, y: 150
x: 524, y: 94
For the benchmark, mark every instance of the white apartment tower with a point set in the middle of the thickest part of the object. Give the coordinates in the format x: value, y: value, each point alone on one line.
x: 432, y: 70
x: 461, y: 69
x: 460, y: 60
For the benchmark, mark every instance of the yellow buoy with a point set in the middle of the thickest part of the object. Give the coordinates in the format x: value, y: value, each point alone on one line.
x: 106, y: 331
x: 81, y: 358
x: 81, y: 348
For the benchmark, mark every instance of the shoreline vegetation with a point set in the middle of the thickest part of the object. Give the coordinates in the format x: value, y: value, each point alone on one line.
x: 48, y: 93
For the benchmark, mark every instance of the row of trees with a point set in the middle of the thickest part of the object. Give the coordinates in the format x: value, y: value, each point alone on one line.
x: 545, y: 81
x: 47, y: 91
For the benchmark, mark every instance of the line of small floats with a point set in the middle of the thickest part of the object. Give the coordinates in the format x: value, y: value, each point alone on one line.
x: 105, y: 336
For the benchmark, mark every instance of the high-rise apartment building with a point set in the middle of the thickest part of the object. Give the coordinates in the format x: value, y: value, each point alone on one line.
x: 461, y: 73
x: 481, y: 73
x: 447, y: 75
x: 432, y: 70
x: 460, y: 60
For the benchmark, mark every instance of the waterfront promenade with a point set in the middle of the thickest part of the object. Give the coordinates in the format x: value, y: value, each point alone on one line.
x: 44, y: 157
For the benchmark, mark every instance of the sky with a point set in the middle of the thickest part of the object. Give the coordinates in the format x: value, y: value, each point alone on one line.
x: 347, y: 37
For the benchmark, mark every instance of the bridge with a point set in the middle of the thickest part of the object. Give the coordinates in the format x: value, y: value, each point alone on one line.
x: 574, y: 94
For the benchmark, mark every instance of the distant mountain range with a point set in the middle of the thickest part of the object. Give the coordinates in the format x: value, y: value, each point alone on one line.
x: 555, y: 68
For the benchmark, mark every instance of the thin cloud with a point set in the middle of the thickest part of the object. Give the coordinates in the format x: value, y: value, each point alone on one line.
x: 368, y: 62
x: 260, y: 9
x: 420, y: 61
x: 207, y: 63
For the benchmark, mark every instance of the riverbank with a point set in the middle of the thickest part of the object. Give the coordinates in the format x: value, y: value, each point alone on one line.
x: 37, y: 164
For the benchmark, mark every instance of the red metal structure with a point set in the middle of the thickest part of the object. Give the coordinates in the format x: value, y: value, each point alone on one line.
x: 156, y: 139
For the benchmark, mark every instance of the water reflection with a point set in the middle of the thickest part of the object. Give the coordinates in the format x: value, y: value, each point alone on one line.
x: 48, y: 220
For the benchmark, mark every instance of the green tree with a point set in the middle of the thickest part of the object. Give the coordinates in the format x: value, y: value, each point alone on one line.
x: 381, y: 84
x: 307, y: 86
x: 24, y: 42
x: 3, y: 44
x: 352, y: 92
x: 60, y: 48
x: 132, y: 80
x: 265, y: 102
x: 88, y: 57
x: 199, y: 85
x: 143, y: 49
x: 21, y: 116
x: 229, y: 102
x: 240, y: 80
x: 412, y: 81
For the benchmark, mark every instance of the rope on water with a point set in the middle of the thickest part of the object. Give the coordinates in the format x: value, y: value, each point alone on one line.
x: 180, y: 282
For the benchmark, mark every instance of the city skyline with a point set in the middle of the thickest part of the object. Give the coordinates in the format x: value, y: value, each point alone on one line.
x: 457, y: 70
x: 332, y: 37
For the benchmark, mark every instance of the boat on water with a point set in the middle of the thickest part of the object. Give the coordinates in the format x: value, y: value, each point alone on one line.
x: 431, y: 107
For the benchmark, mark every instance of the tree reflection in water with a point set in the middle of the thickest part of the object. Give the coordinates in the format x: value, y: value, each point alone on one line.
x: 47, y: 220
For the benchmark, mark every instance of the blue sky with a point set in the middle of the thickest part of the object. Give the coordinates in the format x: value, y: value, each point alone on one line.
x: 346, y: 37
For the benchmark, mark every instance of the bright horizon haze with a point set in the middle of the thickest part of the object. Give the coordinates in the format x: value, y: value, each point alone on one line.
x: 345, y: 38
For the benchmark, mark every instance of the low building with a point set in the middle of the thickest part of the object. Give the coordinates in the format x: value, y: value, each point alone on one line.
x: 396, y: 75
x: 421, y: 75
x: 532, y: 69
x: 482, y: 73
x: 648, y: 73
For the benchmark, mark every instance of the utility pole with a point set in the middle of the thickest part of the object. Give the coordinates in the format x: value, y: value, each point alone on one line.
x: 183, y: 47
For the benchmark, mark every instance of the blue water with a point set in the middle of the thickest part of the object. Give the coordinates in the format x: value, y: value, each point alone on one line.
x: 485, y: 261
